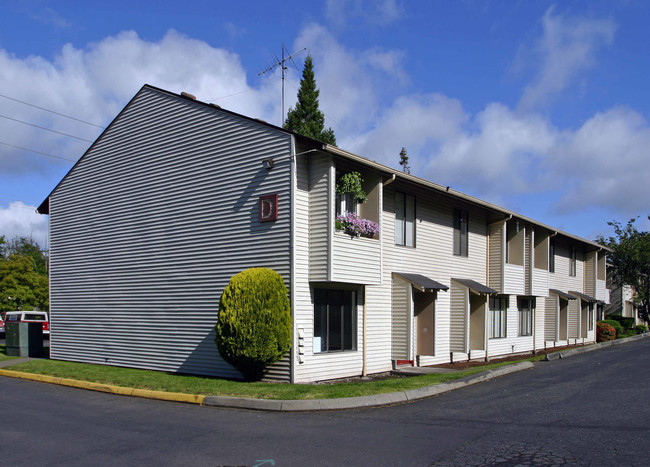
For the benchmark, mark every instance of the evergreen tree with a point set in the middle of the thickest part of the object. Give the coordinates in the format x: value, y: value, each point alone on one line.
x: 307, y: 119
x: 404, y: 161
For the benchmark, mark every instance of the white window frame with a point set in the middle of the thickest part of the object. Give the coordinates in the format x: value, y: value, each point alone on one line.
x: 498, y: 318
x: 461, y: 233
x: 525, y: 309
x: 404, y: 219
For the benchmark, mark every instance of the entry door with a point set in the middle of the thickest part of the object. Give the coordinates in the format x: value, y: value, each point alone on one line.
x: 423, y: 308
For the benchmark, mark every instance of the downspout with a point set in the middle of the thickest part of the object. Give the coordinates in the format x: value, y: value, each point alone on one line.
x: 486, y: 312
x: 390, y: 180
x: 534, y: 327
x: 364, y: 367
x: 557, y: 301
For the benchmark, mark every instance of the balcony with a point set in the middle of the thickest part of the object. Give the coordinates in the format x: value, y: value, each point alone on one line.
x: 344, y: 250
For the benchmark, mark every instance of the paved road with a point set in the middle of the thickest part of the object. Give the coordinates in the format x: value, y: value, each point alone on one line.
x: 590, y: 409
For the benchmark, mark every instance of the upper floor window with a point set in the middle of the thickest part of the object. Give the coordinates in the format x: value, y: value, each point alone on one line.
x: 461, y: 222
x: 572, y: 261
x: 404, y: 219
x: 346, y: 203
x: 515, y: 243
x: 551, y: 256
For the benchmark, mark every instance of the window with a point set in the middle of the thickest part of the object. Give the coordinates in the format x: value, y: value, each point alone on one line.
x: 404, y: 219
x: 345, y: 203
x: 551, y: 256
x: 461, y: 222
x: 498, y: 310
x: 525, y: 316
x: 590, y: 325
x: 515, y: 243
x: 335, y: 320
x: 572, y: 261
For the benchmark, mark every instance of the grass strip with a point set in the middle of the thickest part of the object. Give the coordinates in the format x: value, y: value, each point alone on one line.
x: 3, y: 353
x: 170, y: 382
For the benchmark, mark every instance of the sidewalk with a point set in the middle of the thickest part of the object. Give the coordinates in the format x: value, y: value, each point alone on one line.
x: 308, y: 405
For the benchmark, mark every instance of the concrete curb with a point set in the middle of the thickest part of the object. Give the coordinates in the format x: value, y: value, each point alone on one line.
x: 375, y: 400
x: 590, y: 348
x: 363, y: 401
x: 160, y: 395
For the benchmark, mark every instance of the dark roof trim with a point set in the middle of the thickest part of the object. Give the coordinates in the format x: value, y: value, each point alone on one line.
x: 475, y: 287
x: 420, y: 282
x: 582, y: 296
x: 561, y: 294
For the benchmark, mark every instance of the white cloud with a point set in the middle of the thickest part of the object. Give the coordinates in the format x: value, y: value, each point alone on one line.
x: 94, y: 83
x: 605, y: 163
x: 21, y: 220
x: 566, y: 49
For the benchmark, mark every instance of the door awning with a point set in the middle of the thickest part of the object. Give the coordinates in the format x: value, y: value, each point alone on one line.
x: 420, y: 282
x: 582, y: 296
x: 475, y: 287
x: 561, y: 294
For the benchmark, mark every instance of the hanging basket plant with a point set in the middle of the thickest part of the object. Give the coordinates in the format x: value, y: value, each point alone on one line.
x: 350, y: 184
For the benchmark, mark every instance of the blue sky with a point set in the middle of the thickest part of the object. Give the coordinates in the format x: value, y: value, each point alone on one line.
x: 541, y: 107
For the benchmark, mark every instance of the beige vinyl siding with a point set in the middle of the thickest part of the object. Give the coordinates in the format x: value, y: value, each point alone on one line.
x: 514, y: 280
x: 356, y: 260
x: 574, y: 319
x: 303, y: 312
x: 539, y: 322
x: 590, y: 273
x: 459, y: 318
x: 551, y: 307
x: 401, y: 320
x: 433, y: 254
x: 496, y: 256
x: 540, y: 283
x: 528, y: 260
x: 319, y: 215
x: 144, y: 237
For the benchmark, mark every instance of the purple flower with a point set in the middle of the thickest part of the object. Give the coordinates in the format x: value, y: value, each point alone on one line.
x: 354, y: 225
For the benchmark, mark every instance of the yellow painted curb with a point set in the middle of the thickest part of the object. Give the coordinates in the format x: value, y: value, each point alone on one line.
x: 146, y: 393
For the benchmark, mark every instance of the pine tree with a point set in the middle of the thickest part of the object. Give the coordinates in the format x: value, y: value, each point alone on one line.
x: 306, y: 119
x: 404, y: 161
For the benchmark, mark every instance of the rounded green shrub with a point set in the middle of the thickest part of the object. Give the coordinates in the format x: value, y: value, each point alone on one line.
x: 641, y: 328
x: 605, y: 332
x: 616, y: 325
x: 254, y: 325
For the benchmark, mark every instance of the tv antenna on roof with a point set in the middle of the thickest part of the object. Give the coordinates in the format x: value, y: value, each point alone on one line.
x: 281, y: 62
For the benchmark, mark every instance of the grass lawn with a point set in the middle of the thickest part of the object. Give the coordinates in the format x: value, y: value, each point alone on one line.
x: 159, y: 381
x: 3, y: 353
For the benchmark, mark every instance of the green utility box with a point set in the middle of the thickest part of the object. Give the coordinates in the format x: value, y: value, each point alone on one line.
x: 24, y: 339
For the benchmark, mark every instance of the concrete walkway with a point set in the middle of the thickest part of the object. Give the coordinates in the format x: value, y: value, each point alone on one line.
x: 313, y: 405
x: 14, y: 361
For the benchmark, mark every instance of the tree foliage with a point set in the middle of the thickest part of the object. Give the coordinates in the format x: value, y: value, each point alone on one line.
x: 23, y: 275
x: 630, y: 260
x: 254, y: 324
x: 404, y: 161
x: 307, y: 119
